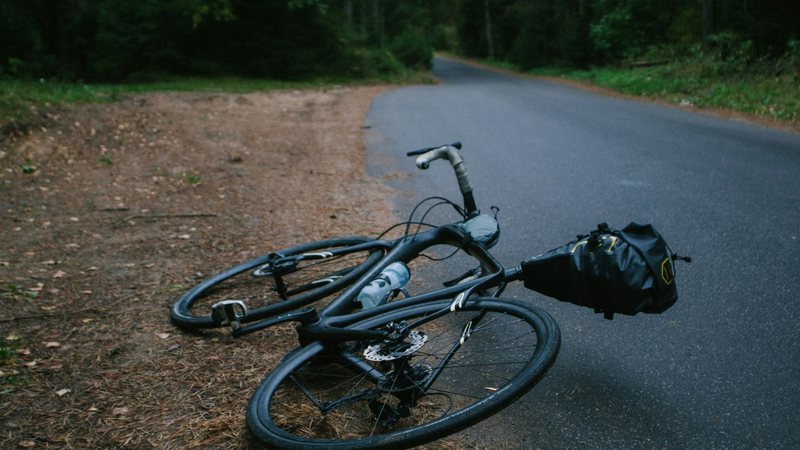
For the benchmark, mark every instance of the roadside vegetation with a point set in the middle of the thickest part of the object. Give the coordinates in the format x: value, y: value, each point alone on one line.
x: 732, y: 54
x: 86, y: 51
x: 767, y: 87
x: 727, y: 54
x: 23, y: 99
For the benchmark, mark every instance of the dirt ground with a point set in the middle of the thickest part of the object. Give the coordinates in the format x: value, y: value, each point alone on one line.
x: 108, y: 212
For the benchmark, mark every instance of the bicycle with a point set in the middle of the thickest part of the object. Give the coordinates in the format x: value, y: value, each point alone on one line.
x: 405, y: 372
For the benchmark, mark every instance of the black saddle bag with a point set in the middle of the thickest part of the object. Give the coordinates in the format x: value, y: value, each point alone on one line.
x: 611, y: 271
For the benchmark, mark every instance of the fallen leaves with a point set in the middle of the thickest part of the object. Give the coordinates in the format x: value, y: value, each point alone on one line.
x: 121, y: 376
x: 63, y: 392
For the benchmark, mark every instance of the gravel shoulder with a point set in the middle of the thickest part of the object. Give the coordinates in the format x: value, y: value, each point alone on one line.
x: 108, y: 212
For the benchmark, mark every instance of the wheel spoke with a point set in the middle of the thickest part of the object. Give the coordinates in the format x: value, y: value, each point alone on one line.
x: 450, y: 372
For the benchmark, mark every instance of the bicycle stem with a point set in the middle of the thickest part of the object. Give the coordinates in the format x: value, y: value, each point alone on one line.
x: 451, y: 153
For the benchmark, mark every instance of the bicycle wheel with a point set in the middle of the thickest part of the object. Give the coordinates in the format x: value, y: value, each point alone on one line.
x: 448, y: 374
x: 265, y: 293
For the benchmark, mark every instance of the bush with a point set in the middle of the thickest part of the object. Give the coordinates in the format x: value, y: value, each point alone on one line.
x: 445, y: 38
x: 789, y: 62
x: 412, y: 49
x: 730, y: 53
x: 372, y: 63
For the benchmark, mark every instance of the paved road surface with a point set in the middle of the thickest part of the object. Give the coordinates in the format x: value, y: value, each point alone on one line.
x: 719, y: 370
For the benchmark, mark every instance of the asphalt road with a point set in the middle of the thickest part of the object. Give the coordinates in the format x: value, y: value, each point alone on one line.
x: 721, y: 369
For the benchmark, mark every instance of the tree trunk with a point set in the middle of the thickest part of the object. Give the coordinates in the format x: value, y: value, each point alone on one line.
x: 489, y: 41
x: 582, y: 8
x: 377, y: 12
x: 708, y: 22
x: 348, y: 14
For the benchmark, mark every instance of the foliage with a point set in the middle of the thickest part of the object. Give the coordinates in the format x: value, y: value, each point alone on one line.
x: 412, y: 49
x: 578, y: 33
x: 206, y: 42
x: 113, y: 40
x: 615, y: 33
x: 18, y: 97
x: 706, y: 81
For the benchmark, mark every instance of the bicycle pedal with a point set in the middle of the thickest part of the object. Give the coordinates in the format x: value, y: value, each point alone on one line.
x: 228, y: 312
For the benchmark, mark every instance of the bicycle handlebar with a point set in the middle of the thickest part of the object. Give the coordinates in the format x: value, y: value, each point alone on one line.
x: 427, y: 149
x: 452, y: 154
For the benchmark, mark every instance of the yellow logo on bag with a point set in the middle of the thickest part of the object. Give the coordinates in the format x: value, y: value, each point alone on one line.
x: 666, y: 272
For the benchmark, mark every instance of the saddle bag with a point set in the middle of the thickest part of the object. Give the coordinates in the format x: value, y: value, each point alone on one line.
x: 611, y: 271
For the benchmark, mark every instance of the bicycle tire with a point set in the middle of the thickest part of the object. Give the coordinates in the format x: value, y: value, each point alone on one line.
x: 286, y: 411
x: 192, y: 310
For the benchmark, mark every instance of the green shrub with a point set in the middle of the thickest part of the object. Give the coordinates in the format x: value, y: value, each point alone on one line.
x: 445, y: 38
x: 789, y: 62
x: 728, y: 53
x: 371, y: 63
x: 412, y: 49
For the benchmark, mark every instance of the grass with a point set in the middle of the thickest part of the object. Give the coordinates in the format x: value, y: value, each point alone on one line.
x: 691, y: 83
x: 192, y: 178
x: 6, y: 353
x: 19, y: 98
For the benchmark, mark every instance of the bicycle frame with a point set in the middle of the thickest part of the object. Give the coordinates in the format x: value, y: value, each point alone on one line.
x: 381, y: 343
x: 332, y: 322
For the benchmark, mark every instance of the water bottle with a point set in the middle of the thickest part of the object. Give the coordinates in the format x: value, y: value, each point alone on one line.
x: 393, y: 277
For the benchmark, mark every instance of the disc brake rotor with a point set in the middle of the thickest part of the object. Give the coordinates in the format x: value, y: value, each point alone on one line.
x: 390, y: 351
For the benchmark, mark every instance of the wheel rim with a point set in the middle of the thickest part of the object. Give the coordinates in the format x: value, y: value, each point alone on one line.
x: 311, y: 280
x: 326, y: 402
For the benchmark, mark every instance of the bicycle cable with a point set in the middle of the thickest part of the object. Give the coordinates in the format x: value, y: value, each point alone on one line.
x: 435, y: 259
x: 443, y: 201
x: 408, y: 223
x: 400, y: 224
x: 434, y: 206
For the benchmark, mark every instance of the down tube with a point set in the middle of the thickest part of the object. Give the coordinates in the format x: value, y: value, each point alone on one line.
x: 338, y: 313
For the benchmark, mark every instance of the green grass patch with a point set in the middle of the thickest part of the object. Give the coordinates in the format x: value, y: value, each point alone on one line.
x: 687, y: 82
x: 6, y: 353
x: 11, y: 378
x: 192, y: 178
x: 500, y: 64
x: 19, y: 98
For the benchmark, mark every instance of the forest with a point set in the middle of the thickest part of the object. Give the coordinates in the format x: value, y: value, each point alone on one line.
x: 115, y: 40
